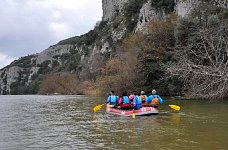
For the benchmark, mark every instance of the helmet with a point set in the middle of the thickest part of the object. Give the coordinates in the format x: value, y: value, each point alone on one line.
x: 154, y: 91
x: 142, y: 92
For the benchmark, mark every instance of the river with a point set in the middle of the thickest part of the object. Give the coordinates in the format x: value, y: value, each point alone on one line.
x: 34, y: 122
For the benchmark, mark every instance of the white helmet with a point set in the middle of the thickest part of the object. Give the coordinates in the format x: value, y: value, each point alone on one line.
x: 142, y: 92
x: 154, y: 91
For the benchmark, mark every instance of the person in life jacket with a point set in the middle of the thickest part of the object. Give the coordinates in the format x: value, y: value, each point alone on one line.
x: 144, y: 98
x: 137, y: 101
x: 154, y: 99
x: 124, y: 102
x: 131, y: 97
x: 112, y: 99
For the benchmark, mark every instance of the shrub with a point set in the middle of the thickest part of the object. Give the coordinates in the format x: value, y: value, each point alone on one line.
x: 167, y: 5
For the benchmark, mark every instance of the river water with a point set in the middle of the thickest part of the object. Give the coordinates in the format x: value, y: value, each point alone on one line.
x: 35, y: 122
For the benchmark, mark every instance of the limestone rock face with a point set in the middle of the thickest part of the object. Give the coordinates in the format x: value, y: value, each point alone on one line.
x: 8, y: 76
x: 147, y: 13
x: 184, y: 7
x: 111, y: 8
x: 52, y: 51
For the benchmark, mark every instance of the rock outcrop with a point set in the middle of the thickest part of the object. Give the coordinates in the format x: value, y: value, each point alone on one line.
x: 112, y: 8
x: 8, y: 76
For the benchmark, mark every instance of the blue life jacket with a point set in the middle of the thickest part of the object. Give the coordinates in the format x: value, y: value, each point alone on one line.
x: 137, y: 101
x: 113, y: 99
x: 126, y: 100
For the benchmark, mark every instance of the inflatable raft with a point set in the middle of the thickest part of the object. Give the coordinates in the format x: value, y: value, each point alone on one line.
x: 144, y: 111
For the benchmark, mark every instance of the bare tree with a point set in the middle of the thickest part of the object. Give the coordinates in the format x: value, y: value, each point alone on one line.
x: 203, y: 63
x: 62, y: 83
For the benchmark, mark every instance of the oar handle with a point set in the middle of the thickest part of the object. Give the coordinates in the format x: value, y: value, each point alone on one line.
x: 133, y: 114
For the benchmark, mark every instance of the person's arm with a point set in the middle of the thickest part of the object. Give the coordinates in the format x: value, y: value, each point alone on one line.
x: 120, y: 100
x: 135, y: 101
x: 149, y: 99
x: 160, y: 100
x: 146, y: 98
x: 117, y: 99
x: 108, y: 99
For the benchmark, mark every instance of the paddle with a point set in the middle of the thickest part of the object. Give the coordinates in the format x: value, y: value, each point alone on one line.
x: 133, y: 115
x: 175, y: 107
x: 98, y: 107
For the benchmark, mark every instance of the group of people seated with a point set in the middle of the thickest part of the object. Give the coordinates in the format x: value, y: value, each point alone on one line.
x: 134, y: 100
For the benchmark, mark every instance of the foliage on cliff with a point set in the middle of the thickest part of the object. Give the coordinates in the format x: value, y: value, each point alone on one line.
x: 166, y: 5
x: 139, y: 67
x: 185, y: 56
x: 131, y: 13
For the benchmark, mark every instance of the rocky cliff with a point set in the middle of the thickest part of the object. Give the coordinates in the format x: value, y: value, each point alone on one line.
x: 85, y: 55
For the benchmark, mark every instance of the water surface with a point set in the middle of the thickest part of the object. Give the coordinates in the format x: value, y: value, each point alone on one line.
x: 35, y: 122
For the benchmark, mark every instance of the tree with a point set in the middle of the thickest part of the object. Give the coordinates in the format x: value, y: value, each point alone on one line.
x: 150, y: 48
x: 64, y: 83
x: 138, y: 66
x: 118, y: 75
x: 201, y: 59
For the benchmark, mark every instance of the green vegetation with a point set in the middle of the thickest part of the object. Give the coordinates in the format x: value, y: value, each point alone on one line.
x: 19, y: 87
x: 177, y: 57
x: 131, y: 13
x: 140, y: 65
x: 73, y: 62
x: 65, y: 56
x: 44, y: 67
x: 200, y: 55
x: 70, y: 61
x: 86, y: 39
x: 166, y: 5
x: 24, y: 62
x: 55, y: 64
x: 72, y: 40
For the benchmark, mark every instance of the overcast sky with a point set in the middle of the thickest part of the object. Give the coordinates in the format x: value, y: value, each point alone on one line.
x: 30, y: 26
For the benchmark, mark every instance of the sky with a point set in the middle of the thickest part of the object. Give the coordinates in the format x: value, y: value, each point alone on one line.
x: 31, y: 26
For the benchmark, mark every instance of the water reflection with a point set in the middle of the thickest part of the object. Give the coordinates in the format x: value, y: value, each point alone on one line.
x: 175, y: 118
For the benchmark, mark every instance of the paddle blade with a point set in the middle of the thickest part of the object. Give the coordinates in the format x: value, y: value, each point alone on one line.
x: 97, y: 108
x: 175, y: 107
